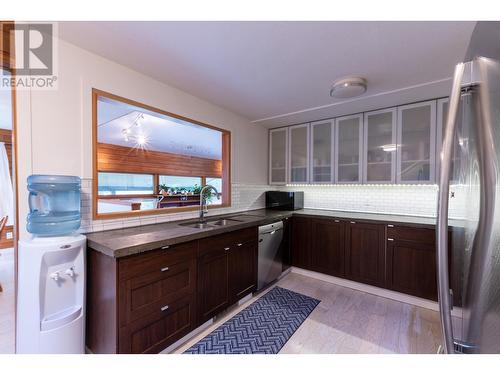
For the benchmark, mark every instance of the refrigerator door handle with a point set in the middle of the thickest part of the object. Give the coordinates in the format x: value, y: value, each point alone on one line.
x: 444, y: 297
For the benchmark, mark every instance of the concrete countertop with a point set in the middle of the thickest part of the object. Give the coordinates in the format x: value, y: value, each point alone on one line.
x: 128, y: 241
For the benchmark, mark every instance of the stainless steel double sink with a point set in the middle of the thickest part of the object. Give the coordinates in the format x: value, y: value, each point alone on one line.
x: 219, y: 222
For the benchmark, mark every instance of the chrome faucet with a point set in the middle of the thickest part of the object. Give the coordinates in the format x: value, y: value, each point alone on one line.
x: 203, y: 201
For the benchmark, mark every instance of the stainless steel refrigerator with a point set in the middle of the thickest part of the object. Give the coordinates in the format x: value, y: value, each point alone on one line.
x: 470, y: 158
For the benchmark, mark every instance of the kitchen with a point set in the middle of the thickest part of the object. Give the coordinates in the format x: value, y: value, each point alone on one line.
x: 254, y: 202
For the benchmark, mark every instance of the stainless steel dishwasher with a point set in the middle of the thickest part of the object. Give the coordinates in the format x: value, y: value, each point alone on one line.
x: 270, y: 258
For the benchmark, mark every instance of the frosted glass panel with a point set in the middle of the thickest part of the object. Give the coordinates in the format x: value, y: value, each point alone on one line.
x: 380, y: 147
x: 415, y: 143
x: 348, y: 150
x: 298, y: 154
x: 455, y: 161
x: 278, y: 156
x: 322, y: 152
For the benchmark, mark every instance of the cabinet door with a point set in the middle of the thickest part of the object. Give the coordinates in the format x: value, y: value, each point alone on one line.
x: 380, y: 146
x: 348, y: 149
x: 459, y: 146
x: 299, y: 153
x: 322, y: 141
x: 213, y: 293
x: 278, y: 146
x: 242, y: 270
x: 327, y: 246
x: 416, y: 143
x: 411, y: 268
x: 365, y: 253
x: 157, y: 331
x: 301, y: 241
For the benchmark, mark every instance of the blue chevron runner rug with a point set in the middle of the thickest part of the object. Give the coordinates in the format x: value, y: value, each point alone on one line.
x: 262, y: 328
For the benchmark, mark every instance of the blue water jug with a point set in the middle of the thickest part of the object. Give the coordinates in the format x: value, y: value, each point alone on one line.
x: 54, y: 203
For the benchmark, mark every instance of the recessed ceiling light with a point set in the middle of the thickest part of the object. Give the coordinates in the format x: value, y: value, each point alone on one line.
x: 348, y: 87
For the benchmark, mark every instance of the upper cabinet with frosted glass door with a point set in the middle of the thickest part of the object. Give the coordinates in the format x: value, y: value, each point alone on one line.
x: 322, y: 141
x: 459, y: 140
x: 298, y: 138
x: 380, y: 146
x: 348, y: 149
x: 416, y: 143
x: 278, y: 157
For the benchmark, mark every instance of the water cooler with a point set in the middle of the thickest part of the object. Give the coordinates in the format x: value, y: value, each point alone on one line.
x: 51, y: 270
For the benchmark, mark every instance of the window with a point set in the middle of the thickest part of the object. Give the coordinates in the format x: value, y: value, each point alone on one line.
x: 147, y: 160
x: 216, y: 182
x: 180, y: 184
x: 125, y: 184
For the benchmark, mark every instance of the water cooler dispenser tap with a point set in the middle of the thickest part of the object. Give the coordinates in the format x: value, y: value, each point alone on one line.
x: 70, y: 272
x: 54, y: 276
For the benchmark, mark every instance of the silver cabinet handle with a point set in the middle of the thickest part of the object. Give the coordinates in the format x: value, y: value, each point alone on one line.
x: 390, y: 226
x: 165, y: 247
x: 442, y: 213
x: 164, y: 269
x: 390, y: 239
x: 239, y: 244
x: 337, y: 221
x: 226, y: 248
x: 353, y: 222
x: 164, y: 308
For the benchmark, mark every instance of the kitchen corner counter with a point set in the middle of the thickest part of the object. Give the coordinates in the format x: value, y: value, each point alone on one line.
x: 134, y: 240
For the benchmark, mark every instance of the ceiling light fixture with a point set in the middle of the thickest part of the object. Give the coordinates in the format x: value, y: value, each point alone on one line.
x: 390, y: 147
x: 348, y: 87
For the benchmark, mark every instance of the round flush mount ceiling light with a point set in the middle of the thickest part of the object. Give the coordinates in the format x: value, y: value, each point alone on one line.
x: 348, y: 87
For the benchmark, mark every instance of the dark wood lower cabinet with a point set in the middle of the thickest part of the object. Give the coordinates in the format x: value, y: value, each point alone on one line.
x: 213, y: 276
x: 301, y: 242
x: 411, y: 261
x: 242, y: 270
x: 328, y: 246
x: 143, y: 303
x: 227, y: 271
x: 365, y: 253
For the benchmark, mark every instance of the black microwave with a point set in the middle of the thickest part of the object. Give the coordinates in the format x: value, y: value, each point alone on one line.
x: 285, y: 200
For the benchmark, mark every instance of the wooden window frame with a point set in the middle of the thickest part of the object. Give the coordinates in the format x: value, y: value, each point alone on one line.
x: 226, y: 162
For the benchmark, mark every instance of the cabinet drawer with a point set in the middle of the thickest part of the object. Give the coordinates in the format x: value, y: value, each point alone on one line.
x: 159, y: 330
x: 146, y: 294
x: 231, y: 239
x: 153, y: 261
x: 403, y: 233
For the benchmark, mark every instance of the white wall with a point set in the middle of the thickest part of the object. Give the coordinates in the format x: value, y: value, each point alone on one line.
x: 55, y: 127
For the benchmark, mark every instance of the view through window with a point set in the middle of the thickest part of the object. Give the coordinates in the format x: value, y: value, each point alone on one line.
x: 149, y: 160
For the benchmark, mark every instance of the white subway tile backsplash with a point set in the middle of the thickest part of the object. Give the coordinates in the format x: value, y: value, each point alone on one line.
x: 417, y: 200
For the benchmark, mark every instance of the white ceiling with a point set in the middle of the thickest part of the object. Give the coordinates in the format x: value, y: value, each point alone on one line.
x: 279, y: 73
x: 162, y: 133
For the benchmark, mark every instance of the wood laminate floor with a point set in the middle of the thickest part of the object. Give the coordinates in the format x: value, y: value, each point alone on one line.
x: 350, y: 321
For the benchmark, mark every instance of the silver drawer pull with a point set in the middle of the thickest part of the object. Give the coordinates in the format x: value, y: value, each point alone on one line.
x: 353, y: 222
x: 390, y: 239
x: 226, y: 248
x: 390, y: 226
x: 240, y: 244
x: 164, y: 269
x: 164, y: 308
x: 338, y: 221
x: 165, y: 247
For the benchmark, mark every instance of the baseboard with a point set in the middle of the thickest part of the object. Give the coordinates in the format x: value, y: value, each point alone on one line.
x: 186, y: 338
x: 381, y: 292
